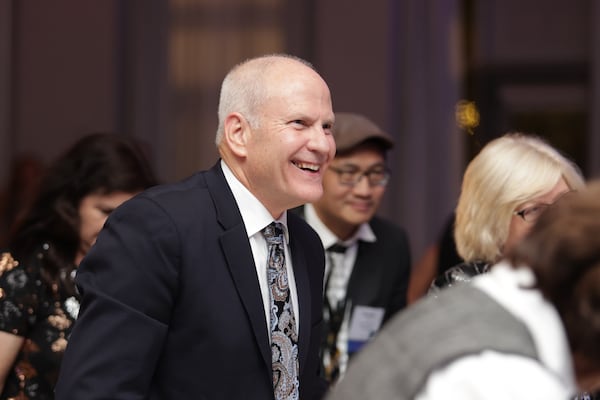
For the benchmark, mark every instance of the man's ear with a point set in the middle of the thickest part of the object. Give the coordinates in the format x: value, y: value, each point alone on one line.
x: 236, y: 131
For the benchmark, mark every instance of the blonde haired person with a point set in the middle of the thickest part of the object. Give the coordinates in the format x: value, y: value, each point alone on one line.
x: 528, y: 329
x: 505, y: 189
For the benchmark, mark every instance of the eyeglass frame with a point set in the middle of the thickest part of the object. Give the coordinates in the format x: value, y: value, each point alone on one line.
x: 544, y: 206
x: 359, y: 175
x: 527, y: 210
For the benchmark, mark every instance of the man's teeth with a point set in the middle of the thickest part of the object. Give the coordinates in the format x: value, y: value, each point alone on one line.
x: 310, y: 167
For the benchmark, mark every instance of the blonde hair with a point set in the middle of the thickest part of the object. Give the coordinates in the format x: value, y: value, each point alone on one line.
x: 509, y: 171
x: 245, y: 88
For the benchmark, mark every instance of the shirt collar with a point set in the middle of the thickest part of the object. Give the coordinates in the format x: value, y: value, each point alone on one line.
x: 328, y: 238
x: 254, y: 214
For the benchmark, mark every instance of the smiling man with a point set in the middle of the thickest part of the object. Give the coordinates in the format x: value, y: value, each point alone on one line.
x: 368, y: 260
x: 208, y: 288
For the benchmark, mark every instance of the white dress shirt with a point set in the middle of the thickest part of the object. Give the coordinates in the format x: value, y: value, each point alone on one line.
x: 340, y: 276
x: 256, y: 217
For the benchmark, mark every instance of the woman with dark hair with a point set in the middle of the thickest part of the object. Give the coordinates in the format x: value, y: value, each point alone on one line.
x: 38, y: 299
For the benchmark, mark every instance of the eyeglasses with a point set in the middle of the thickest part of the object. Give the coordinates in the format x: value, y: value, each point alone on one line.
x: 533, y: 213
x: 378, y: 176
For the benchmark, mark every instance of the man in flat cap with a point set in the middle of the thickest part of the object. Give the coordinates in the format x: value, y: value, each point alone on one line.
x: 367, y: 258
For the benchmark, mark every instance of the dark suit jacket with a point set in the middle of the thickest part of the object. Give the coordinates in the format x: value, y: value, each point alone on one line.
x: 172, y: 307
x: 382, y: 269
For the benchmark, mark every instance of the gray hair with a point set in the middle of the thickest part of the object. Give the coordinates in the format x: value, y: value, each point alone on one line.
x: 246, y: 87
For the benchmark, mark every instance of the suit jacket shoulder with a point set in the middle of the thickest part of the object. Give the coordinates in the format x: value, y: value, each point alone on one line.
x: 388, y: 229
x: 382, y: 269
x: 173, y: 273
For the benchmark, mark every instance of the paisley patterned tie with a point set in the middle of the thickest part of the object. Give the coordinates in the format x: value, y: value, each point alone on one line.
x: 284, y: 337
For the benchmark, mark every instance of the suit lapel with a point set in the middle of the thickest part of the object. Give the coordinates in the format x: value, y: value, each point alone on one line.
x: 238, y: 254
x: 359, y: 288
x: 303, y: 291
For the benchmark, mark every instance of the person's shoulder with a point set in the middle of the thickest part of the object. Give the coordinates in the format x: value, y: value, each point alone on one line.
x: 195, y: 181
x: 297, y: 211
x: 178, y: 195
x: 298, y: 226
x: 385, y: 224
x: 200, y: 183
x: 460, y: 273
x: 383, y: 227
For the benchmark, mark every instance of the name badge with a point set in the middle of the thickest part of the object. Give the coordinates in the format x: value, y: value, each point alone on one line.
x: 364, y: 324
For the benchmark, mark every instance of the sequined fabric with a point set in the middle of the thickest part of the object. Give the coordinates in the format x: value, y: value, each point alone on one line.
x: 460, y: 273
x: 44, y: 316
x: 284, y: 336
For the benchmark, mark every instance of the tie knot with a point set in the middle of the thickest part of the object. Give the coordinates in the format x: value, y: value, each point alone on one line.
x: 337, y: 248
x: 273, y: 233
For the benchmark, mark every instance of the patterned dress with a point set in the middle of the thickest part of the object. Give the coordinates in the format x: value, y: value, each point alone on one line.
x: 43, y: 314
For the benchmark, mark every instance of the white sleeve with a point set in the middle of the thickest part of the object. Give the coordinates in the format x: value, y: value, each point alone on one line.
x: 494, y: 376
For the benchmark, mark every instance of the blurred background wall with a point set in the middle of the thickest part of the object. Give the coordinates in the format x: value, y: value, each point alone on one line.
x: 152, y: 69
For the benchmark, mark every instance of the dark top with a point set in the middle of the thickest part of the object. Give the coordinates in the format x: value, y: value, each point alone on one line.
x: 172, y: 307
x: 448, y: 256
x: 44, y: 316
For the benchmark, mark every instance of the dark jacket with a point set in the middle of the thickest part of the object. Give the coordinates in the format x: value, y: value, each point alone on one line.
x: 172, y: 307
